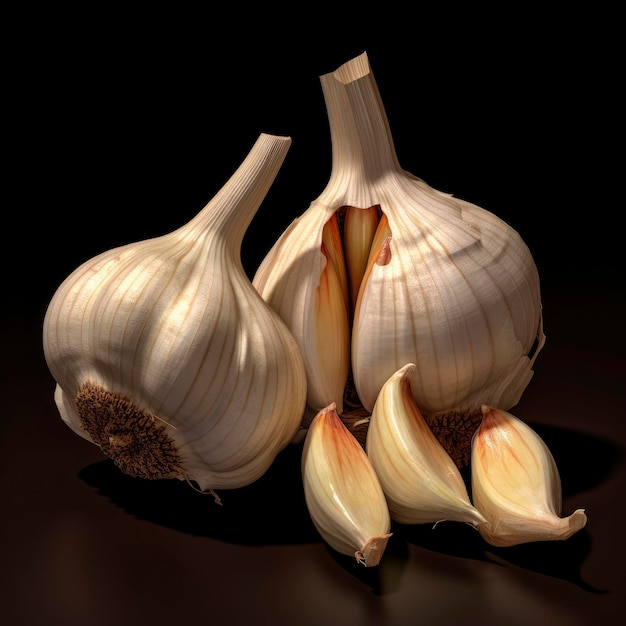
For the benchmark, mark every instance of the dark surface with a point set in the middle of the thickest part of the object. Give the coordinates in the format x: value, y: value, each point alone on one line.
x: 117, y: 140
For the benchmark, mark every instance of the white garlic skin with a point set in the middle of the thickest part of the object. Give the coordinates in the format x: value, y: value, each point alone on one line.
x: 420, y: 480
x: 459, y: 298
x: 450, y: 286
x: 342, y: 491
x: 174, y: 325
x: 516, y: 484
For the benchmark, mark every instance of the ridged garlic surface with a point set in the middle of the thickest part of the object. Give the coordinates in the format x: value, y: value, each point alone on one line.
x: 426, y: 278
x: 342, y: 491
x: 167, y: 358
x: 420, y: 480
x: 516, y: 484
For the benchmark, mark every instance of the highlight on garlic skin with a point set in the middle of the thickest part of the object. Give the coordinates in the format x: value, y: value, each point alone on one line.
x: 516, y: 484
x: 389, y: 271
x: 168, y: 359
x: 420, y: 480
x: 342, y: 491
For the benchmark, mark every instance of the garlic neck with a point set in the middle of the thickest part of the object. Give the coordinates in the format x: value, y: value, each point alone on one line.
x: 227, y: 216
x: 363, y: 153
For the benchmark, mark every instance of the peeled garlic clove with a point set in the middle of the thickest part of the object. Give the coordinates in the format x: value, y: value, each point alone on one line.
x: 167, y: 358
x: 421, y: 482
x: 516, y: 483
x: 448, y: 285
x: 342, y: 492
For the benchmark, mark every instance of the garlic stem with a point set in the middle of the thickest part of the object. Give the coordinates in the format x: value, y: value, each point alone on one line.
x: 363, y: 151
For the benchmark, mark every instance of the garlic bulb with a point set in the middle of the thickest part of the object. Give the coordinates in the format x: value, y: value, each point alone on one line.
x: 516, y: 483
x: 167, y: 358
x: 342, y: 492
x: 431, y: 280
x: 420, y: 480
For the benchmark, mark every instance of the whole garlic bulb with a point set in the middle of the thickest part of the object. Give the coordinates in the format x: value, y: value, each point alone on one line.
x: 436, y: 281
x: 167, y: 358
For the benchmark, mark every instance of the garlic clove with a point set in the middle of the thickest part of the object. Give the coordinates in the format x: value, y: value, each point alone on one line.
x: 448, y: 286
x: 332, y: 249
x: 167, y: 358
x: 290, y: 280
x: 331, y: 334
x: 516, y: 484
x: 342, y: 491
x: 359, y: 229
x: 420, y: 480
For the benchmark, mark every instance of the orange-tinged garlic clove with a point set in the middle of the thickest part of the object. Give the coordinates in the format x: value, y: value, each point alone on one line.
x: 342, y: 491
x: 516, y: 484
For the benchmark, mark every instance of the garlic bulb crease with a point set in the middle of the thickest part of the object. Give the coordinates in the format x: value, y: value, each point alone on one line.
x: 426, y: 278
x: 420, y: 480
x: 167, y: 358
x: 342, y: 491
x: 516, y: 484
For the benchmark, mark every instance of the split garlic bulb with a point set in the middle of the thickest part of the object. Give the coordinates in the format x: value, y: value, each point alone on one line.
x: 383, y: 270
x: 516, y: 484
x: 343, y: 495
x: 420, y: 480
x: 167, y: 358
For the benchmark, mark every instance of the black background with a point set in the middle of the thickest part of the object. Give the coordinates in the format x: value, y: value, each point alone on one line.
x: 121, y: 125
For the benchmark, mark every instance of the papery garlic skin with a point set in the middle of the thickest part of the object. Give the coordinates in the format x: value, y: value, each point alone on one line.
x: 448, y: 286
x: 168, y: 358
x: 420, y: 480
x: 290, y: 280
x: 342, y: 491
x: 516, y: 484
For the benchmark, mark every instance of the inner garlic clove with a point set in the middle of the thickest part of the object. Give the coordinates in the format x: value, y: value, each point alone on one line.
x: 359, y: 230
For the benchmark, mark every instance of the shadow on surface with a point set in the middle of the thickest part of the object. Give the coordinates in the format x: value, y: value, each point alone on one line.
x: 384, y: 579
x: 273, y: 511
x: 584, y: 461
x: 558, y: 559
x: 270, y: 511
